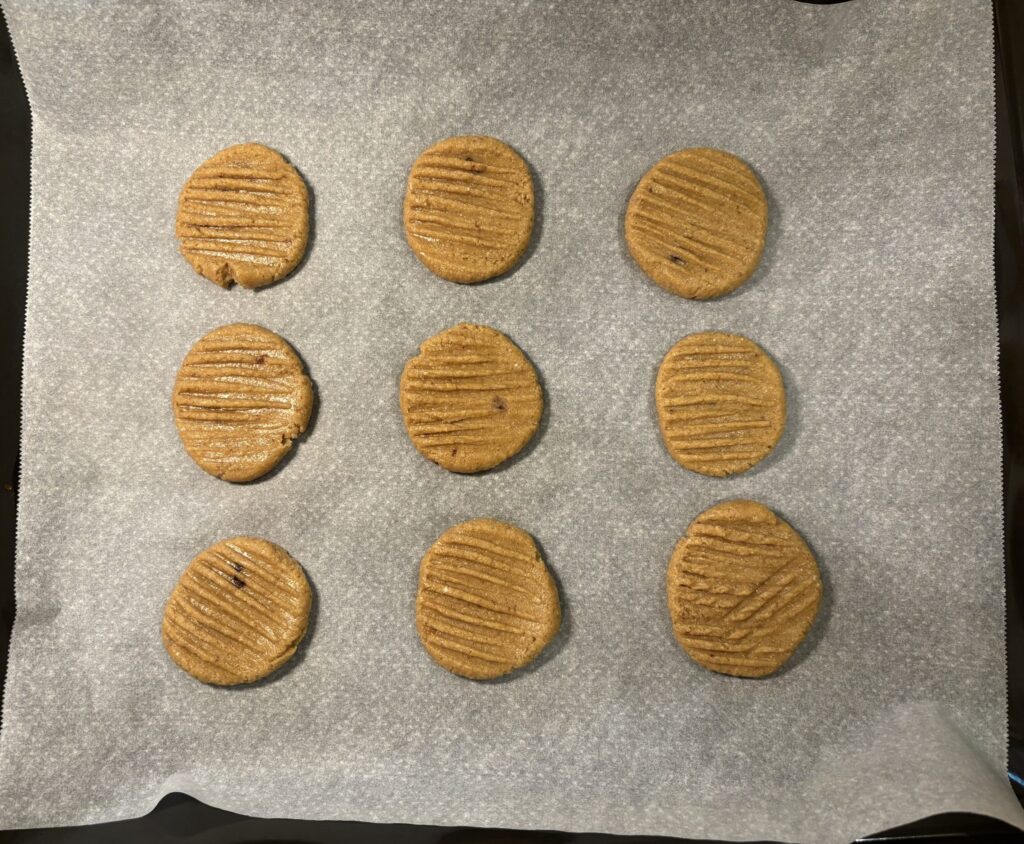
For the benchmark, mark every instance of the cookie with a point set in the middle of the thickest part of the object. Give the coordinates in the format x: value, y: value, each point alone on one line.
x: 238, y: 612
x: 486, y: 604
x: 721, y: 403
x: 743, y: 589
x: 243, y: 216
x: 469, y: 208
x: 470, y: 398
x: 240, y: 399
x: 696, y: 223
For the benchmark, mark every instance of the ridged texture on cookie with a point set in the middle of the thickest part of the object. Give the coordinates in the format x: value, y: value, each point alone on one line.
x: 469, y: 208
x: 721, y: 403
x: 243, y: 216
x: 696, y: 223
x: 238, y: 612
x: 743, y: 589
x: 470, y: 398
x: 487, y: 604
x: 240, y: 399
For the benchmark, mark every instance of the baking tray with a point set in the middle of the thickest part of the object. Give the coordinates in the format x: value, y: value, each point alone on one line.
x: 179, y: 817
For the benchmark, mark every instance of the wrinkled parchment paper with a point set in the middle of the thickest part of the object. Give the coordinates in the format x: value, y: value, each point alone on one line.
x: 871, y: 125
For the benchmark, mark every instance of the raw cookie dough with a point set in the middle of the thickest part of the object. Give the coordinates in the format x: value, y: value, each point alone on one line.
x: 487, y: 604
x: 721, y: 403
x: 743, y: 589
x: 240, y: 399
x: 696, y: 223
x: 470, y: 398
x: 244, y: 216
x: 469, y: 208
x: 238, y: 612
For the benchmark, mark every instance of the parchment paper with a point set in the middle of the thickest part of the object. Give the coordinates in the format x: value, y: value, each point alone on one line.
x: 871, y: 125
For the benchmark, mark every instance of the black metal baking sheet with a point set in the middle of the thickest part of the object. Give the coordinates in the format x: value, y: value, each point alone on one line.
x: 182, y: 818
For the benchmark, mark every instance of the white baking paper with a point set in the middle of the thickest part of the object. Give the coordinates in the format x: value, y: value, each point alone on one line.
x: 871, y: 126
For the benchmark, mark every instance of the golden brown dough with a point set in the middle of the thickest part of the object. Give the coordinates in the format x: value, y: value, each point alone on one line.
x: 743, y: 589
x: 469, y: 208
x: 238, y: 612
x: 721, y: 403
x: 243, y: 216
x: 240, y: 399
x: 487, y: 604
x: 470, y: 398
x: 696, y: 223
